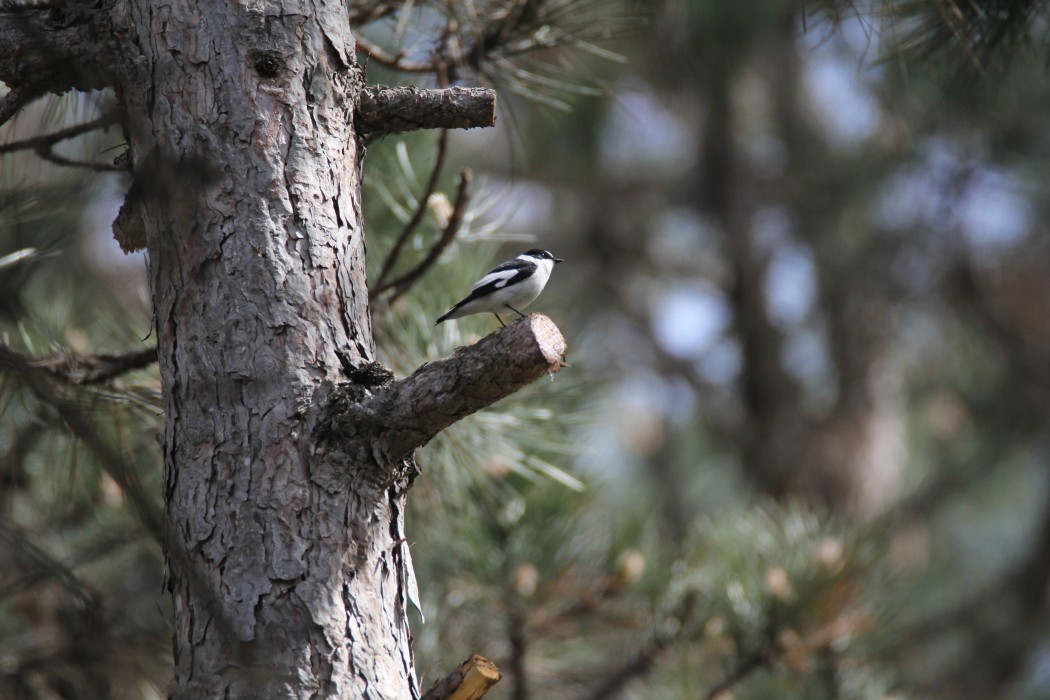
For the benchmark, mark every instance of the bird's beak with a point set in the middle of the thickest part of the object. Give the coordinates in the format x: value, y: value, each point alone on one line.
x: 558, y: 260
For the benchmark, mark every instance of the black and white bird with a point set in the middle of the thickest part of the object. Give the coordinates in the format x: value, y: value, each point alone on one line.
x: 509, y: 286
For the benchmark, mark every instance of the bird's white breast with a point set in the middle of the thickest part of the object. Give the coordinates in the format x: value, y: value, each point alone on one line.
x: 518, y: 295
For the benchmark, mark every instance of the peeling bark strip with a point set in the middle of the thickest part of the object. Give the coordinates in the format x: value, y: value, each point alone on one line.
x: 390, y: 110
x: 406, y: 414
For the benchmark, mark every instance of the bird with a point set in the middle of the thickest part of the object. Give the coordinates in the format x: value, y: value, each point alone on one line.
x: 511, y: 285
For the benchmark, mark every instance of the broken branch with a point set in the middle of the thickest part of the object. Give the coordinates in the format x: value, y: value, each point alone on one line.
x: 385, y: 426
x: 391, y: 110
x: 470, y: 681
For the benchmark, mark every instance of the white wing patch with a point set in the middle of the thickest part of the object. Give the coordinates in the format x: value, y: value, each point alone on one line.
x: 497, y: 279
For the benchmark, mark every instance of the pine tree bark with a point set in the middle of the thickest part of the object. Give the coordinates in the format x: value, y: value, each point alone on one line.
x: 285, y: 583
x: 288, y: 563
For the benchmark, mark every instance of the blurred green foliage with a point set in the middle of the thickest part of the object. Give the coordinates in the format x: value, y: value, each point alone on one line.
x: 845, y: 500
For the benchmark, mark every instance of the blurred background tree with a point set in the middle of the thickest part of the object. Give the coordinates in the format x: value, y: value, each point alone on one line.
x: 802, y: 448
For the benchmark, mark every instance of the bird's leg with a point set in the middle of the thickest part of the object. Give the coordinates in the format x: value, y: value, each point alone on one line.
x: 514, y: 310
x: 499, y: 319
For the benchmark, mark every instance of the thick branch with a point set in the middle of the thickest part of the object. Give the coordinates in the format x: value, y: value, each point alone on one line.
x: 390, y: 110
x: 54, y: 48
x: 470, y: 681
x: 401, y: 416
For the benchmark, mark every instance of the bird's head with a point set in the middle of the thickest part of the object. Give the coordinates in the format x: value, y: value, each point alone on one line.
x: 540, y: 254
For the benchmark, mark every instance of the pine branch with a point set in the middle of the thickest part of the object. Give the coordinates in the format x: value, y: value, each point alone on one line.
x: 48, y: 154
x: 44, y: 145
x: 396, y: 62
x: 88, y: 369
x: 72, y: 416
x: 403, y: 283
x: 367, y: 11
x: 13, y: 475
x: 636, y: 667
x: 47, y: 140
x: 417, y: 215
x: 748, y: 665
x: 75, y: 419
x: 390, y: 110
x: 39, y: 566
x: 974, y: 34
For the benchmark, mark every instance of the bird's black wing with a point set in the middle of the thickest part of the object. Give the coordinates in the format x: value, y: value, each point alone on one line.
x: 503, y: 275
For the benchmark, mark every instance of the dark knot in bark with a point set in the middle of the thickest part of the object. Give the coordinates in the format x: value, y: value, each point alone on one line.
x: 267, y: 64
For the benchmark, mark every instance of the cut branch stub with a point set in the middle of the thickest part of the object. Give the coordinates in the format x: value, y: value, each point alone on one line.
x: 390, y: 110
x: 400, y: 416
x: 470, y: 681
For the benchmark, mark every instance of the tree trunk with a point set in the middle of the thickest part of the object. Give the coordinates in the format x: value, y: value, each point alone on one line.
x: 285, y: 485
x: 288, y: 575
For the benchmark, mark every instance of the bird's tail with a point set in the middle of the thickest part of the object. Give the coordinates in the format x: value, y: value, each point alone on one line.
x: 446, y: 316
